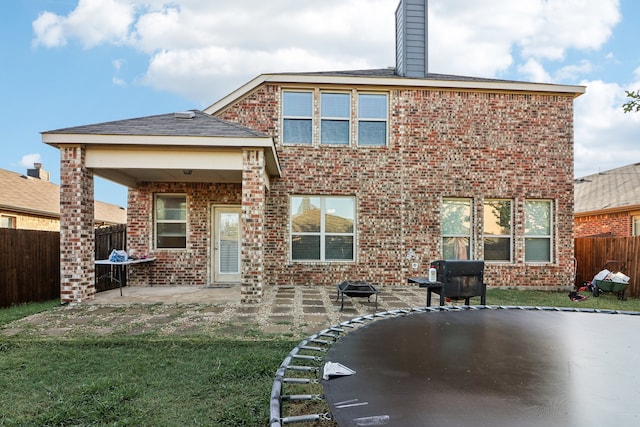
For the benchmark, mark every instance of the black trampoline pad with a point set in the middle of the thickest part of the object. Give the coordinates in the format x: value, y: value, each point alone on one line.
x: 490, y: 367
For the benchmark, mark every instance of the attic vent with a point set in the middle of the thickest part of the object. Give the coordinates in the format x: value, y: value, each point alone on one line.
x: 184, y: 115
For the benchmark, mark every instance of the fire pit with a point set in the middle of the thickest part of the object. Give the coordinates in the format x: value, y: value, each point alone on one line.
x: 358, y: 289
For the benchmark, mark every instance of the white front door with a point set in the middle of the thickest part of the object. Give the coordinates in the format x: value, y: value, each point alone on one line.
x: 226, y: 245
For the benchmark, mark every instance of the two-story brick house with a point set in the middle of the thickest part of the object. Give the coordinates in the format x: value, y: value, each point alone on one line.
x: 314, y: 178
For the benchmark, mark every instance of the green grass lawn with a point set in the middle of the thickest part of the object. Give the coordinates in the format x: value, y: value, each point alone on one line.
x: 134, y: 382
x: 607, y: 301
x: 177, y: 381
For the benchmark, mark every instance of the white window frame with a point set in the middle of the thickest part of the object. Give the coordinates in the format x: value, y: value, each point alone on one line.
x: 385, y: 120
x: 346, y: 118
x: 157, y: 221
x: 309, y: 118
x: 635, y: 225
x: 549, y: 236
x: 7, y: 221
x: 322, y: 233
x: 469, y: 235
x: 509, y: 236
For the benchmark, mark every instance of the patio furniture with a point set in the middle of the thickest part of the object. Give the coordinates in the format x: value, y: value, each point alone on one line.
x: 357, y: 289
x: 424, y: 282
x: 118, y: 269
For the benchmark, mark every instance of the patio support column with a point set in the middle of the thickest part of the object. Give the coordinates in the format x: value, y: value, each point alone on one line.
x: 77, y: 238
x: 253, y: 205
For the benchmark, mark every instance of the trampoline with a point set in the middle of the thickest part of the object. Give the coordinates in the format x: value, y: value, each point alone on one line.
x: 486, y: 366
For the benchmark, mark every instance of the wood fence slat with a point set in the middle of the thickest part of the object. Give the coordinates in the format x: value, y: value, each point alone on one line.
x: 30, y: 262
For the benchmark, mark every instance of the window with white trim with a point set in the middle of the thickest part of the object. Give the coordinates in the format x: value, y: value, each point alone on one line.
x: 322, y: 228
x: 636, y: 225
x: 335, y: 120
x: 372, y: 119
x: 456, y: 229
x: 297, y: 113
x: 7, y: 221
x: 171, y: 221
x: 538, y: 231
x: 498, y: 230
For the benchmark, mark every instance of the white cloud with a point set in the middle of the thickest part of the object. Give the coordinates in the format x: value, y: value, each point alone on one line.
x: 92, y: 22
x: 605, y: 136
x: 28, y: 160
x: 116, y: 80
x: 565, y: 24
x: 572, y: 72
x: 49, y: 30
x: 249, y: 37
x: 534, y: 71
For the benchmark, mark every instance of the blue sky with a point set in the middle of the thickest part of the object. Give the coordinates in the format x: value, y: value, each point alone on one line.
x: 76, y: 62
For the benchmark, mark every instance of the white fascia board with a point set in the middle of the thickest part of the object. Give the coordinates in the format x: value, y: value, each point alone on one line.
x: 238, y: 93
x: 57, y: 139
x: 508, y: 86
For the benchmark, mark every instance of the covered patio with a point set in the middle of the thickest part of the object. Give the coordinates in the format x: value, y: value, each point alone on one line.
x: 176, y: 152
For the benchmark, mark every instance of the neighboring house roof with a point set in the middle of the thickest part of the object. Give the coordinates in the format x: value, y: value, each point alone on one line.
x: 614, y: 190
x: 188, y: 123
x: 389, y: 77
x: 28, y: 195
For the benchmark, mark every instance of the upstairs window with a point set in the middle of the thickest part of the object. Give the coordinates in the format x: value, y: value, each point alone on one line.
x: 537, y: 230
x: 297, y: 111
x: 456, y: 229
x: 372, y: 119
x: 322, y: 228
x: 171, y: 221
x: 497, y: 230
x: 334, y: 124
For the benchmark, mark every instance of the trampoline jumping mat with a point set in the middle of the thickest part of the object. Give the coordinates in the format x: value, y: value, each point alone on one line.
x: 489, y: 367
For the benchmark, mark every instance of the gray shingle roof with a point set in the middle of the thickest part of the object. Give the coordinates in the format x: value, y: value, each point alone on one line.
x: 201, y: 124
x: 391, y: 72
x: 612, y: 189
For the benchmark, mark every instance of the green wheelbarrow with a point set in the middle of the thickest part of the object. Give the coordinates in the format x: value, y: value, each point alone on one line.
x: 608, y: 281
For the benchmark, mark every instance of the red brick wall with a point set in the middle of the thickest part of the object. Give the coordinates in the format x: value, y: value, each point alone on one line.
x: 613, y: 224
x: 443, y: 144
x: 184, y: 267
x: 253, y: 204
x: 77, y: 254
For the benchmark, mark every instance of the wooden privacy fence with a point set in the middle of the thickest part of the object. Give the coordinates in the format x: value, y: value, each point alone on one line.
x: 29, y: 266
x: 593, y: 252
x: 30, y: 263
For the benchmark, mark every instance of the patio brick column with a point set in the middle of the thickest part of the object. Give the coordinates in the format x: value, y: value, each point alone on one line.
x: 253, y: 205
x: 77, y: 238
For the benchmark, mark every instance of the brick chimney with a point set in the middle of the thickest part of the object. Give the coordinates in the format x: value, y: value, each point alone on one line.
x: 412, y: 48
x: 38, y: 172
